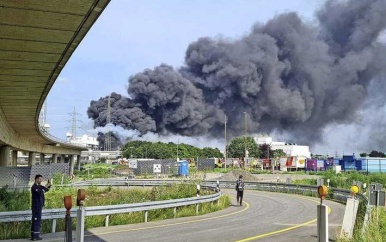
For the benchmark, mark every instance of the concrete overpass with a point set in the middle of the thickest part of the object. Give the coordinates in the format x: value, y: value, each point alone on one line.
x: 37, y: 38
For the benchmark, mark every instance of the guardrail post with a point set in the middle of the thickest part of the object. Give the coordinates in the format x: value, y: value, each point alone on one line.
x: 175, y: 212
x: 197, y: 208
x: 107, y: 221
x: 68, y: 224
x: 80, y: 216
x: 80, y: 224
x: 146, y: 213
x: 322, y: 215
x: 53, y: 226
x: 322, y: 218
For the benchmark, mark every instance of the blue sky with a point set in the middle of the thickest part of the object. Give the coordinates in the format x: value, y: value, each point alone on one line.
x: 130, y: 36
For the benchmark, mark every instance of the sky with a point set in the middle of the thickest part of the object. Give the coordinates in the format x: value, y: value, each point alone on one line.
x: 131, y: 36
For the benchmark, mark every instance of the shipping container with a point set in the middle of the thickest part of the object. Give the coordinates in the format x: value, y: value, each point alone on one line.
x: 296, y: 162
x: 311, y: 165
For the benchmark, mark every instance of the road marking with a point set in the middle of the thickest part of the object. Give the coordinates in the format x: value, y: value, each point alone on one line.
x: 173, y: 224
x: 164, y: 225
x: 211, y: 218
x: 286, y: 229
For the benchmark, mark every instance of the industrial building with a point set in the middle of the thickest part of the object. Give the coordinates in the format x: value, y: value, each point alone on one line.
x: 291, y: 149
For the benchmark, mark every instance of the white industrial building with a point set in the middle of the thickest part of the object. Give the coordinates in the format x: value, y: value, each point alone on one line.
x: 90, y: 142
x: 291, y: 149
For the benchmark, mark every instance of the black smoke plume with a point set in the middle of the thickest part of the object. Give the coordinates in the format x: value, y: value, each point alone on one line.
x: 115, y: 140
x: 285, y: 75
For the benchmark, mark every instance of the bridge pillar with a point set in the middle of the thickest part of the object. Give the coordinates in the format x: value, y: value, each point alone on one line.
x: 14, y: 157
x: 5, y: 155
x: 31, y: 159
x: 42, y: 158
x: 78, y: 161
x: 54, y: 159
x: 72, y: 163
x: 62, y: 159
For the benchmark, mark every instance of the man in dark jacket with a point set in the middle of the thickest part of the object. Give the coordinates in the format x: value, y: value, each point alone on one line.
x: 37, y: 192
x: 240, y: 190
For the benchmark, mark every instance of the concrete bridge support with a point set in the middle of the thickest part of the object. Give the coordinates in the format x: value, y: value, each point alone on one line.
x: 78, y: 161
x: 14, y: 157
x: 5, y: 155
x: 42, y: 156
x: 54, y: 159
x: 31, y: 159
x: 72, y: 164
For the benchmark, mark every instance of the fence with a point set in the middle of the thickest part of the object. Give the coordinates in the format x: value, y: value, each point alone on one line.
x: 21, y: 176
x: 54, y: 214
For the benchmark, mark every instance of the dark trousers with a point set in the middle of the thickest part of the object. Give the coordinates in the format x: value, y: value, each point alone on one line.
x: 240, y: 195
x: 36, y: 223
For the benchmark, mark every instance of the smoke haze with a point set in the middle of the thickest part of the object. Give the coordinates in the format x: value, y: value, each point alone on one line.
x: 285, y: 76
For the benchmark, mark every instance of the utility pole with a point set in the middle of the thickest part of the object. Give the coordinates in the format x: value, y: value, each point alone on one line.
x: 245, y: 135
x: 108, y: 135
x: 73, y: 126
x: 225, y: 138
x: 178, y: 141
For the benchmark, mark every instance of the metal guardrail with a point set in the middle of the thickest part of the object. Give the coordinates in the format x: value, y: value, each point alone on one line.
x: 17, y: 216
x: 337, y: 194
x: 54, y: 214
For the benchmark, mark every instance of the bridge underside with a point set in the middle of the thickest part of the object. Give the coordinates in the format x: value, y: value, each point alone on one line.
x: 36, y: 40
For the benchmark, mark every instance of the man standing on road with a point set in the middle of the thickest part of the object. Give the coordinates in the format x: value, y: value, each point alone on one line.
x: 240, y: 190
x: 37, y: 192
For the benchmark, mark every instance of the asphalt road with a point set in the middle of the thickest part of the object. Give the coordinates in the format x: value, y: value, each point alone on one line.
x: 264, y: 216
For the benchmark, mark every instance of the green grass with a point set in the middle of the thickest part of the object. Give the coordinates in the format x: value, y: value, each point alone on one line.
x: 17, y: 201
x: 375, y: 230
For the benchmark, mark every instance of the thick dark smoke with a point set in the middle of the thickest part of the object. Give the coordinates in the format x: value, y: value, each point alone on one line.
x: 116, y: 142
x: 286, y: 75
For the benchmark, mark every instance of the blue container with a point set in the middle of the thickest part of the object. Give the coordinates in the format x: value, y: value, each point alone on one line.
x: 358, y: 165
x: 329, y: 163
x: 183, y: 168
x: 347, y: 165
x: 348, y: 158
x: 373, y: 165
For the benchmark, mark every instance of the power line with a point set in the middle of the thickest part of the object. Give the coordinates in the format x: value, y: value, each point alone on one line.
x: 74, y: 122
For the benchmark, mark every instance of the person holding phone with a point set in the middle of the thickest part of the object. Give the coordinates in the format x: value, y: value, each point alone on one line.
x: 37, y: 204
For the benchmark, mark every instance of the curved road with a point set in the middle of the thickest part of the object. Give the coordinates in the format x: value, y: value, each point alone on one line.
x: 264, y: 216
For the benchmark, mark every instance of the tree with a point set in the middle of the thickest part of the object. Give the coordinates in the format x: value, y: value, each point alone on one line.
x: 208, y: 152
x: 236, y: 148
x: 363, y: 154
x: 375, y: 153
x: 159, y: 150
x: 265, y: 151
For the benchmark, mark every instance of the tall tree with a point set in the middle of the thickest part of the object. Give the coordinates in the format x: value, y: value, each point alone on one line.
x: 236, y: 148
x: 375, y: 153
x: 208, y: 152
